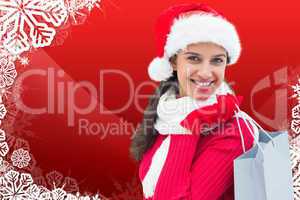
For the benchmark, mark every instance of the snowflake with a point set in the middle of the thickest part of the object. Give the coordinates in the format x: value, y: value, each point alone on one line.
x: 296, y: 111
x: 294, y: 141
x: 58, y: 194
x: 295, y: 123
x: 77, y: 12
x: 3, y: 145
x: 38, y: 192
x: 2, y: 135
x: 17, y: 158
x: 3, y: 148
x: 78, y: 197
x: 10, y: 97
x: 294, y: 156
x: 295, y: 162
x: 12, y: 93
x: 297, y: 87
x: 3, y: 111
x: 26, y: 22
x: 19, y: 186
x: 75, y: 15
x: 8, y: 72
x: 296, y: 181
x: 20, y: 158
x: 295, y: 126
x: 14, y: 185
x: 4, y: 167
x: 5, y: 53
x: 24, y: 61
x: 90, y: 4
x: 55, y: 179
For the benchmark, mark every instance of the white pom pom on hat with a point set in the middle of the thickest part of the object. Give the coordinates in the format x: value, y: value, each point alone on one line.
x: 160, y: 69
x: 173, y: 32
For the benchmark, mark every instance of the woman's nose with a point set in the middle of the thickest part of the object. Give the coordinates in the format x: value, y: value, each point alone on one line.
x: 204, y: 71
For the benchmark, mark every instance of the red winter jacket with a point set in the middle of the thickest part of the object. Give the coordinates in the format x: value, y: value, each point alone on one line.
x: 199, y: 167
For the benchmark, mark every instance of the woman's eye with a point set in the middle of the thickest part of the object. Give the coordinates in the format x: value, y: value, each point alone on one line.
x: 193, y: 58
x: 218, y: 60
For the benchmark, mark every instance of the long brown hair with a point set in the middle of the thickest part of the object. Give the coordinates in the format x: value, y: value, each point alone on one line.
x: 146, y: 134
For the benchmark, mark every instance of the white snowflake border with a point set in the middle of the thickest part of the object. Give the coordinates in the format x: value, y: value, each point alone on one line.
x: 27, y: 24
x: 295, y: 123
x: 15, y: 185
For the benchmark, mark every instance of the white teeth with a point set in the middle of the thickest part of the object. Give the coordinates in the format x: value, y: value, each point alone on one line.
x: 202, y: 84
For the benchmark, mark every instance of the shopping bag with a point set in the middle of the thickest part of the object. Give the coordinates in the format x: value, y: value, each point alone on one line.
x: 264, y: 172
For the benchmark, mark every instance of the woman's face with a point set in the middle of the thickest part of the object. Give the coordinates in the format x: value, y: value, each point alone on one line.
x: 200, y: 69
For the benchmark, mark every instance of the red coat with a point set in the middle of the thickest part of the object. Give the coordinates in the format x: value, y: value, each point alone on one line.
x: 199, y: 167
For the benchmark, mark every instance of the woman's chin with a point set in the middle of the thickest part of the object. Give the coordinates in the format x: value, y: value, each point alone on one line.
x: 201, y: 97
x: 203, y: 93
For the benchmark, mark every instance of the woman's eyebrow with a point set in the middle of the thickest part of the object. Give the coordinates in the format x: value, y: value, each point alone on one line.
x: 197, y: 54
x: 219, y: 55
x: 193, y: 53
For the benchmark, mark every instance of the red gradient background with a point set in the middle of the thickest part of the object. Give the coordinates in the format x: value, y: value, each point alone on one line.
x: 121, y: 37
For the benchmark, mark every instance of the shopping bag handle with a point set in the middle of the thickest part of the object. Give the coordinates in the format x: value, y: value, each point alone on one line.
x: 257, y: 124
x: 243, y: 116
x: 241, y: 134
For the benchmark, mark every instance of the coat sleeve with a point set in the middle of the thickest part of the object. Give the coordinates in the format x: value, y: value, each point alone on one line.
x: 210, y: 174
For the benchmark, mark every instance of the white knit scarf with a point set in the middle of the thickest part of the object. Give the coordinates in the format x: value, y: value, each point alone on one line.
x: 171, y: 111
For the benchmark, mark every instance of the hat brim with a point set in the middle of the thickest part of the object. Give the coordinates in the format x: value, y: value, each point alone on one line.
x: 203, y: 27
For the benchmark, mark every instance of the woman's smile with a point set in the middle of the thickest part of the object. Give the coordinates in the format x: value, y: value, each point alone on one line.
x: 202, y: 86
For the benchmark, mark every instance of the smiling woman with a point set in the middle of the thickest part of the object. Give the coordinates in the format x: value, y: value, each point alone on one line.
x: 200, y: 69
x: 182, y: 150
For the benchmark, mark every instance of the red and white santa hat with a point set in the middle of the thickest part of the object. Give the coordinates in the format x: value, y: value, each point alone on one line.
x: 174, y: 31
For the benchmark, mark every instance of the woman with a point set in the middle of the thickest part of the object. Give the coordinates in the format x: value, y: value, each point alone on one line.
x: 191, y: 132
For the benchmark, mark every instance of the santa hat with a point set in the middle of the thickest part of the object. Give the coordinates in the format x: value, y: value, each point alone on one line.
x: 174, y: 31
